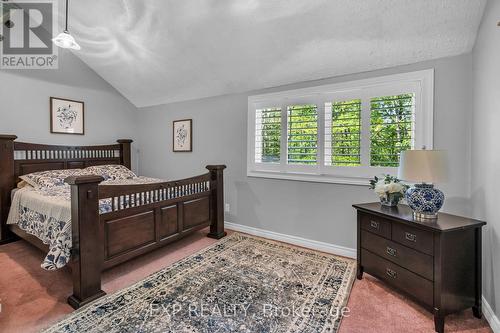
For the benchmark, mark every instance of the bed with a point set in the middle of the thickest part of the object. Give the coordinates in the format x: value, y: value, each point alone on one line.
x: 110, y: 221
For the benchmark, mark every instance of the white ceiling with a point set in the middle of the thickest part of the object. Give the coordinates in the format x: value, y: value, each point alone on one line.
x: 161, y: 51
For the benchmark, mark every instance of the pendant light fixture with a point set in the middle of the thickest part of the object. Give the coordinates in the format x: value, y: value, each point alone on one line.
x: 64, y: 39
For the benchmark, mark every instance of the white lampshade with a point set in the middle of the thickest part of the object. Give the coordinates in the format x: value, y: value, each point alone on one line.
x: 66, y: 41
x: 423, y: 166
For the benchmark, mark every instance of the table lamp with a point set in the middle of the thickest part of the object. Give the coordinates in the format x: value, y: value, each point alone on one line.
x: 424, y: 168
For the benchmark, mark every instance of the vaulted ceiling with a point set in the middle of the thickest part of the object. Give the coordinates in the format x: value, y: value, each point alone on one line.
x: 161, y: 51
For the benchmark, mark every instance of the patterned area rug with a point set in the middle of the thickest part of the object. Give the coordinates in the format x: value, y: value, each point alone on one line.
x: 240, y: 284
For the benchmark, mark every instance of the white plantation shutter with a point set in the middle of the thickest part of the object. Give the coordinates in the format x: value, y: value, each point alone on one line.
x: 343, y: 133
x: 392, y: 121
x: 302, y: 138
x: 267, y: 135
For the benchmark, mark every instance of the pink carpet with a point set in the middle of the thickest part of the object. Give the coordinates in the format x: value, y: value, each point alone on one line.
x: 32, y: 299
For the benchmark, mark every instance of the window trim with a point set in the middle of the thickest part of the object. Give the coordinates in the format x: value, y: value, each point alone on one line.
x: 421, y: 83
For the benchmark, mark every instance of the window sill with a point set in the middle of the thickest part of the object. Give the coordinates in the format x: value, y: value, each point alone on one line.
x: 309, y: 177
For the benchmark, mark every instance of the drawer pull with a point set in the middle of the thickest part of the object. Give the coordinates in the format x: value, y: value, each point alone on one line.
x: 391, y: 273
x: 374, y: 224
x: 411, y: 237
x: 390, y: 251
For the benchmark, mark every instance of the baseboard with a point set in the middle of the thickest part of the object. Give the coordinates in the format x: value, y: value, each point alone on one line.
x: 299, y: 241
x: 490, y: 316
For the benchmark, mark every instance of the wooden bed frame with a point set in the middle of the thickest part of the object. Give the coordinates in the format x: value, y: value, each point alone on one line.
x: 143, y: 217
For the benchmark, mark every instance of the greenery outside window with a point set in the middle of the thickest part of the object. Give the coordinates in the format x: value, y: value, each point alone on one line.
x: 343, y: 124
x: 302, y: 136
x: 267, y: 135
x: 391, y: 128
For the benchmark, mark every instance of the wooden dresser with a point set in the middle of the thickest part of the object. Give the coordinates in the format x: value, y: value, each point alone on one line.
x: 437, y: 264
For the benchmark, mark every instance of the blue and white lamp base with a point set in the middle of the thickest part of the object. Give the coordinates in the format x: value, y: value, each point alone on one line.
x: 425, y: 201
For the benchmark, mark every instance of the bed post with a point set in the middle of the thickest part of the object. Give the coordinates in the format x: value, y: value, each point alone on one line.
x: 7, y: 184
x: 87, y: 253
x: 216, y: 201
x: 125, y: 152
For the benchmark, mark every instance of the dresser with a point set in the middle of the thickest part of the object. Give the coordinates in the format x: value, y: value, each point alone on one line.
x: 436, y: 263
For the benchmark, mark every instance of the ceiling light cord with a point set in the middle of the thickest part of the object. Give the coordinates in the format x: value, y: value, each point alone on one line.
x: 66, y: 29
x: 64, y: 39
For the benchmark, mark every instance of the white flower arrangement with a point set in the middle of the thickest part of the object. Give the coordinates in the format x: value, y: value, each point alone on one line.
x: 389, y: 189
x: 382, y: 188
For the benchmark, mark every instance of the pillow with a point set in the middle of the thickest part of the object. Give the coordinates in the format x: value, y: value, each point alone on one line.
x: 51, y: 178
x: 110, y: 172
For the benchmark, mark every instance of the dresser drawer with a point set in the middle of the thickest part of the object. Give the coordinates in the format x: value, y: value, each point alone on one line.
x: 412, y: 237
x: 417, y: 262
x: 398, y: 277
x: 376, y: 225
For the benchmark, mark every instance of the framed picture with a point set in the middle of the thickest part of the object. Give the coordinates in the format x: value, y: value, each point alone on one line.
x: 66, y: 116
x: 183, y: 135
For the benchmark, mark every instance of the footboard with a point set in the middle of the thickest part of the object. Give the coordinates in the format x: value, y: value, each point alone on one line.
x: 136, y: 219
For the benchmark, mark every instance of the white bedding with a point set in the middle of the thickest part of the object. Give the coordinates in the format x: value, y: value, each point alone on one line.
x: 12, y: 193
x: 55, y: 206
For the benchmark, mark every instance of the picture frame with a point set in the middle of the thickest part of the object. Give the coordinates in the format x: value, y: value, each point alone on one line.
x: 182, y: 135
x: 67, y: 116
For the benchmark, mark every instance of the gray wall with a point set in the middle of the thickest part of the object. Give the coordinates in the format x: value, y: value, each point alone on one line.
x: 24, y: 103
x: 315, y: 211
x: 486, y: 148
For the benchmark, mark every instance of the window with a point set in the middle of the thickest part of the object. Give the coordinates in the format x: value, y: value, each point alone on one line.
x: 302, y: 144
x: 342, y: 133
x: 267, y: 135
x: 391, y: 127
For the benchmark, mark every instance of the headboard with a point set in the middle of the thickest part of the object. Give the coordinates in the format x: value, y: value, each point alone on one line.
x: 20, y: 158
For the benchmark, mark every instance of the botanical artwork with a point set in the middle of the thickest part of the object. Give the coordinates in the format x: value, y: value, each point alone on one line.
x: 66, y: 116
x: 182, y: 135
